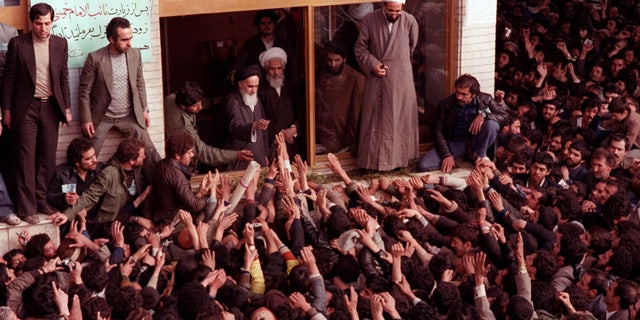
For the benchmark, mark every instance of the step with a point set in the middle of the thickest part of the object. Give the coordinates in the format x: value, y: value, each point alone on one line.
x: 9, y: 234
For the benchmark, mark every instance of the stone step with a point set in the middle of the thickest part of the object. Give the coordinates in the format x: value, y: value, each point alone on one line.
x: 9, y: 234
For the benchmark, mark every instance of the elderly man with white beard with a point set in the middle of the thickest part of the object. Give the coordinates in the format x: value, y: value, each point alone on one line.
x: 279, y: 98
x: 247, y: 122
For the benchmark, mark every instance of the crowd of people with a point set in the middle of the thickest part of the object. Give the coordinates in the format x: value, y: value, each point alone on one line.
x: 545, y: 226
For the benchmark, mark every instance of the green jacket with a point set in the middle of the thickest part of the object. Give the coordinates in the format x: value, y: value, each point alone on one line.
x: 110, y: 187
x: 176, y: 118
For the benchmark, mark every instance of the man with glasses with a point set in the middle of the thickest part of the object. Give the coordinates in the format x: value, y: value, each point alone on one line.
x: 389, y: 116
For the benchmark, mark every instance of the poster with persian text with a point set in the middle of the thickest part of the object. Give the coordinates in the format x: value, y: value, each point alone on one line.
x: 83, y: 23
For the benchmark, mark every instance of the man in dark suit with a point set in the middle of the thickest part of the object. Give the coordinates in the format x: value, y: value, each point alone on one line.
x: 112, y: 91
x: 35, y: 97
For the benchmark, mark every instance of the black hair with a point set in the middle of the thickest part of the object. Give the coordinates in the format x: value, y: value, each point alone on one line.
x: 346, y: 268
x: 582, y: 147
x: 544, y: 159
x: 566, y: 201
x: 91, y: 307
x: 619, y: 105
x: 189, y: 94
x: 439, y: 264
x: 128, y: 149
x: 179, y: 143
x: 543, y: 296
x: 124, y: 300
x: 40, y: 300
x: 600, y: 240
x: 620, y: 137
x: 94, y: 276
x: 271, y: 14
x: 572, y: 249
x: 468, y: 81
x: 445, y: 297
x: 519, y: 308
x: 623, y: 260
x: 299, y: 280
x: 35, y: 245
x: 466, y: 232
x: 192, y: 300
x: 616, y: 207
x: 40, y: 9
x: 627, y: 292
x: 598, y: 280
x: 76, y: 148
x: 114, y: 24
x: 545, y: 264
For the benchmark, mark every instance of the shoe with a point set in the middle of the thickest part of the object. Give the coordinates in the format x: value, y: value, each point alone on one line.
x: 46, y: 209
x: 32, y: 219
x: 12, y: 220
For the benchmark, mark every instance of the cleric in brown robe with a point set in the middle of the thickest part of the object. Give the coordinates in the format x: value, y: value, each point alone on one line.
x: 389, y: 116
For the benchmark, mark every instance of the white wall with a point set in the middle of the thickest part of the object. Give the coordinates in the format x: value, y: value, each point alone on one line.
x: 476, y: 41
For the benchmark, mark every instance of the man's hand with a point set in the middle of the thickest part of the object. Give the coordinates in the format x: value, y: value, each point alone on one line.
x: 6, y: 118
x: 68, y: 116
x: 297, y: 300
x: 447, y: 164
x: 475, y: 126
x: 88, y: 130
x: 245, y: 155
x: 71, y: 198
x: 117, y: 232
x: 261, y: 124
x: 58, y: 218
x: 380, y: 70
x: 147, y: 119
x: 289, y: 134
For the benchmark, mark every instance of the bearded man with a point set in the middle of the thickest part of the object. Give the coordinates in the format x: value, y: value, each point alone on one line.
x: 279, y: 98
x: 338, y: 101
x: 389, y: 122
x: 247, y: 122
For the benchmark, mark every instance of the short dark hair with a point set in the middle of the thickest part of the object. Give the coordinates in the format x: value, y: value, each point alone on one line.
x: 189, y: 94
x: 619, y: 105
x: 519, y: 308
x: 76, y: 148
x: 598, y: 280
x: 179, y: 142
x: 602, y: 153
x: 590, y: 103
x: 114, y: 24
x: 582, y: 147
x: 466, y: 232
x: 91, y: 307
x: 544, y: 159
x: 299, y: 279
x: 627, y: 292
x: 468, y: 81
x: 572, y: 249
x: 128, y: 149
x: 271, y: 14
x: 35, y: 245
x: 620, y: 137
x: 40, y: 9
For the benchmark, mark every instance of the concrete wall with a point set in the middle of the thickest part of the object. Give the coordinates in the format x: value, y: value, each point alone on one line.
x: 153, y: 77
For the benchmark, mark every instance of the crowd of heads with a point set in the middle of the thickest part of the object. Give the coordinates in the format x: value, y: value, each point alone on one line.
x: 554, y: 213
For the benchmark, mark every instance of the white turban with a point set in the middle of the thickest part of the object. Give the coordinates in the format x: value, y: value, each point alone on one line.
x: 358, y: 11
x: 272, y: 53
x: 395, y: 1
